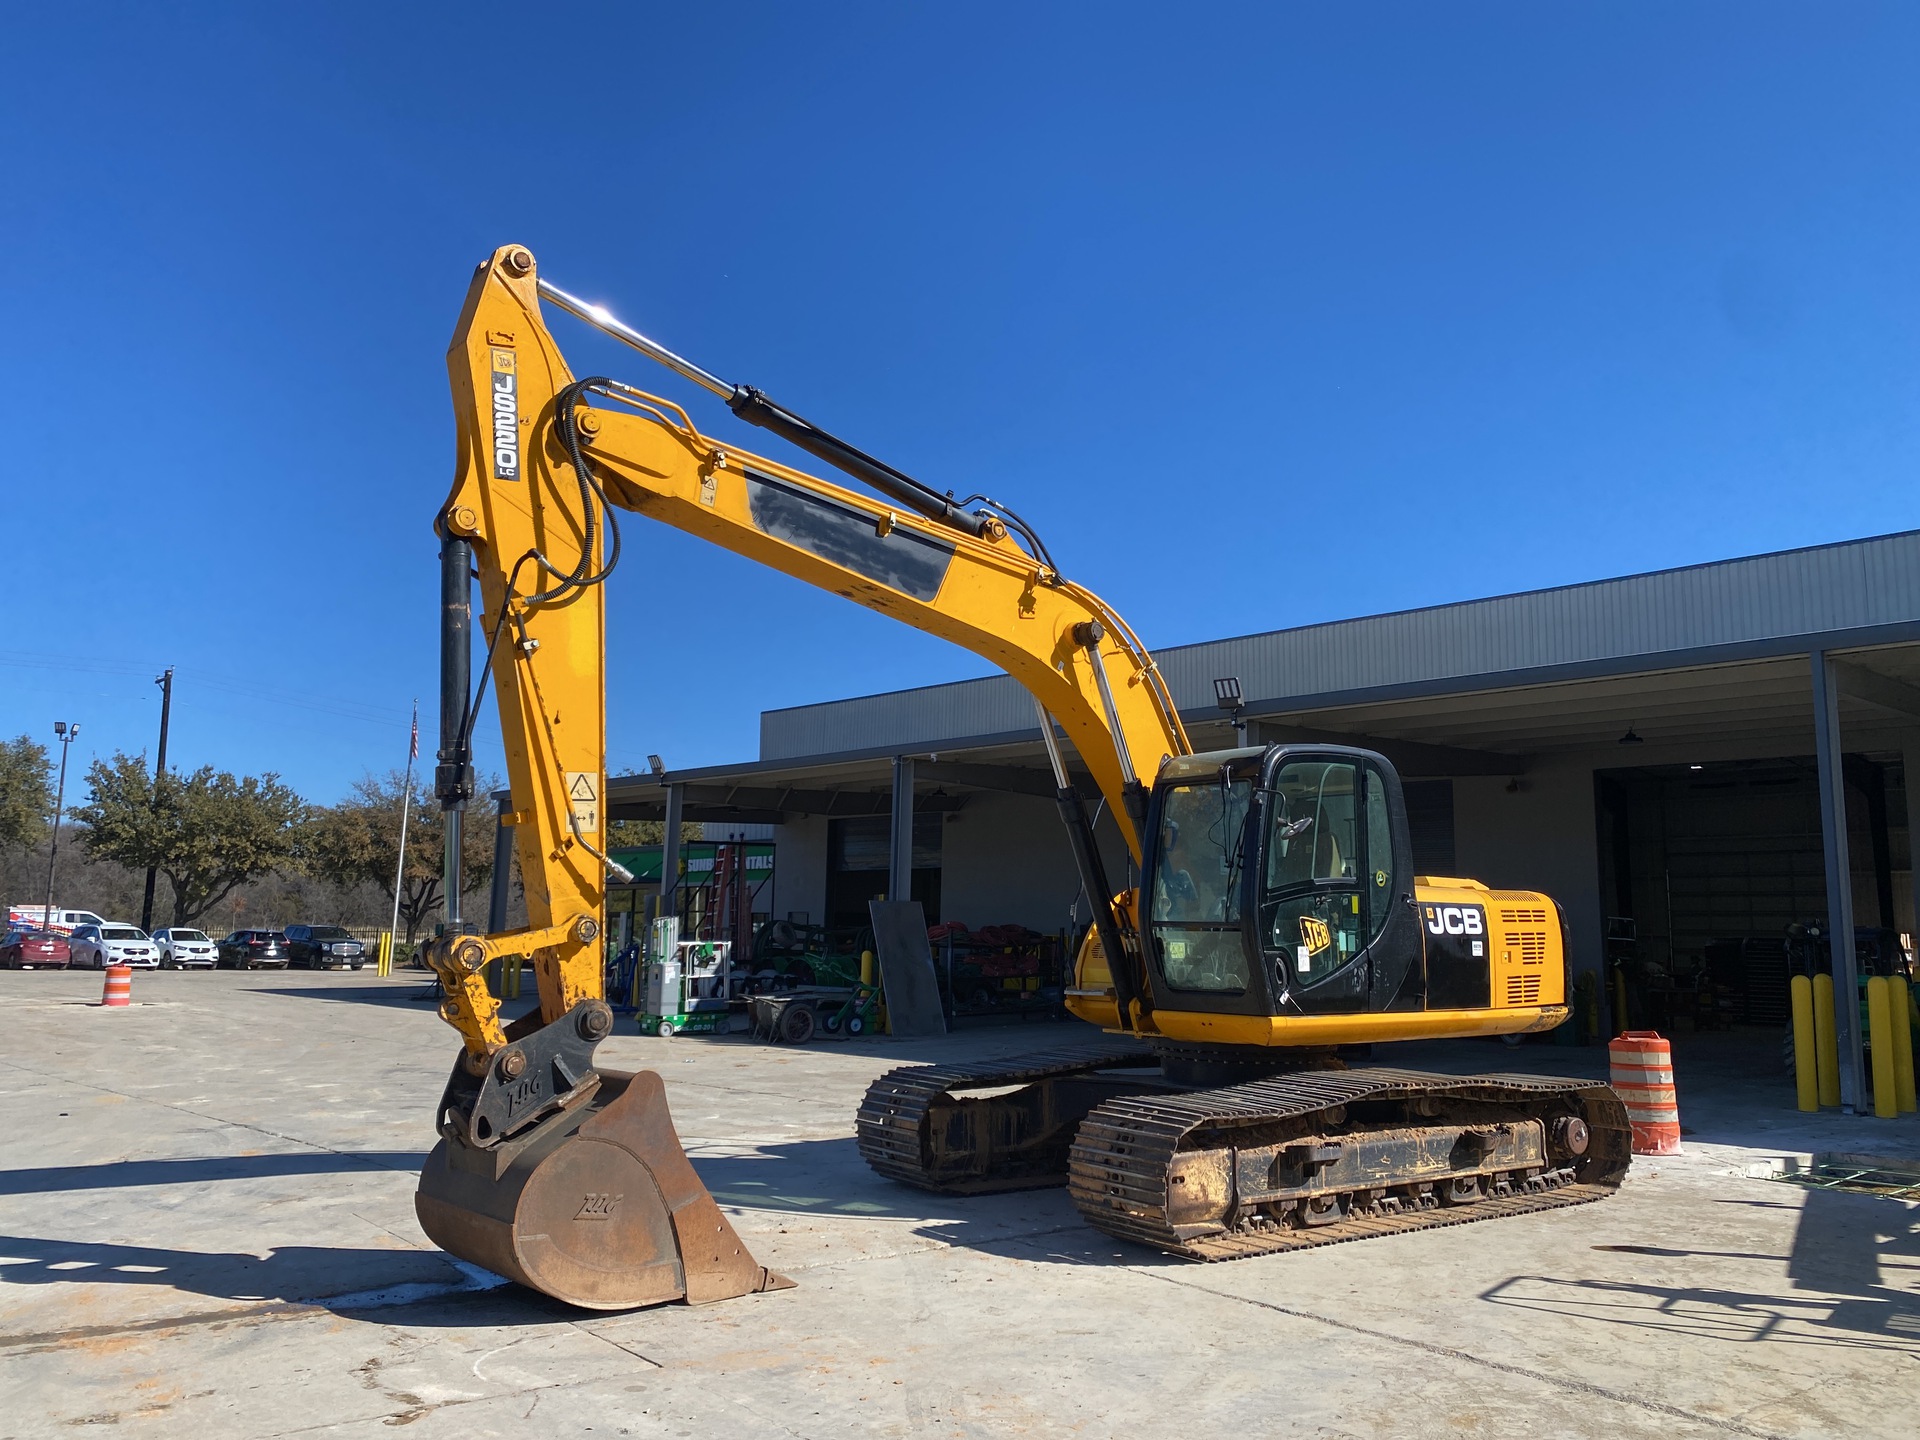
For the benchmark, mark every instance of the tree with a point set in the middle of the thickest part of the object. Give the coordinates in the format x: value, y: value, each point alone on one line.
x: 628, y: 834
x: 26, y: 793
x: 208, y: 832
x: 359, y: 840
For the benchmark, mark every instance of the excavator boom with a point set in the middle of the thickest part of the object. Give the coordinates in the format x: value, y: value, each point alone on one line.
x: 550, y: 1170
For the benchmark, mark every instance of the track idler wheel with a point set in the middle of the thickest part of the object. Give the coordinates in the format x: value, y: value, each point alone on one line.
x: 596, y: 1206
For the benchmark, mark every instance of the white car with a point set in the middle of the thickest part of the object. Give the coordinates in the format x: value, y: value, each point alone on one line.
x: 102, y: 945
x: 182, y: 949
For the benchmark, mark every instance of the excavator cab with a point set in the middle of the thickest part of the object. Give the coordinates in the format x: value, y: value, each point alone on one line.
x: 1279, y: 910
x: 1279, y: 880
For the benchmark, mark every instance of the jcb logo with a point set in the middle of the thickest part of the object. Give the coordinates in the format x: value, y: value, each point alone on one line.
x: 1314, y: 934
x: 598, y: 1207
x: 1455, y: 919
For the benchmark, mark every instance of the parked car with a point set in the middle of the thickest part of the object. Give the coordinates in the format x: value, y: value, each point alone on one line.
x: 98, y: 946
x: 35, y: 950
x: 253, y: 950
x: 324, y: 947
x: 183, y: 949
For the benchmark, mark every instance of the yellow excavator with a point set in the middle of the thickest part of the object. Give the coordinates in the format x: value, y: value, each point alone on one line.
x: 1276, y: 928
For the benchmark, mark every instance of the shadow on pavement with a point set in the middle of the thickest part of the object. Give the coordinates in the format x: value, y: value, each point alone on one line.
x: 291, y: 1272
x: 386, y: 992
x: 823, y: 1178
x: 116, y: 1174
x: 1835, y: 1291
x: 828, y: 1179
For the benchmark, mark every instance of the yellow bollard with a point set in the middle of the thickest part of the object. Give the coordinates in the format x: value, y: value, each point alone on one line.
x: 1898, y: 994
x: 866, y: 967
x: 1806, y: 1072
x: 1826, y: 1048
x: 1886, y: 1103
x: 383, y: 952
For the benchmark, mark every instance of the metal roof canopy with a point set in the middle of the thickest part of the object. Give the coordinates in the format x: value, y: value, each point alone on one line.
x: 1757, y: 707
x: 1855, y: 595
x: 1708, y: 653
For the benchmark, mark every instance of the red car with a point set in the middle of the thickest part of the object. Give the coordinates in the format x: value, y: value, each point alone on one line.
x: 34, y: 950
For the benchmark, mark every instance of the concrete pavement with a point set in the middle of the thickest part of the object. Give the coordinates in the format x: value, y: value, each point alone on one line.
x: 206, y: 1228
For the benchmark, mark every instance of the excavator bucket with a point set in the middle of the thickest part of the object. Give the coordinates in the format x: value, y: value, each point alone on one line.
x: 596, y: 1206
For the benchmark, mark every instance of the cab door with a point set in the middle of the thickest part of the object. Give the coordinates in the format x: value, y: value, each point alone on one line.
x: 1334, y: 918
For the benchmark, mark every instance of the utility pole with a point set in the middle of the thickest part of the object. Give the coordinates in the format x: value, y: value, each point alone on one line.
x: 66, y: 734
x: 406, y: 803
x: 165, y: 682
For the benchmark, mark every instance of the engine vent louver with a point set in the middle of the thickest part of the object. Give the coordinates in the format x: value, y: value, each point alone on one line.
x: 1523, y: 990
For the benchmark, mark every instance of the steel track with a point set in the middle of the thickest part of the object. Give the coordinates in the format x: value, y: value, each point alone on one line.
x: 1120, y: 1162
x: 898, y: 1115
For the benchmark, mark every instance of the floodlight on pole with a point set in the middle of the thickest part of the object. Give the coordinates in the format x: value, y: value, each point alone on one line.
x: 165, y: 682
x: 66, y: 734
x: 1226, y: 693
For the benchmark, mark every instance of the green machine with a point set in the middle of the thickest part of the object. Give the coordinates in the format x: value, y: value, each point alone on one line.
x: 688, y: 984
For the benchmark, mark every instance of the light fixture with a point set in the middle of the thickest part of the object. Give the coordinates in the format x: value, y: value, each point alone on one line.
x: 656, y: 765
x: 1226, y: 693
x: 1631, y: 738
x: 1696, y: 767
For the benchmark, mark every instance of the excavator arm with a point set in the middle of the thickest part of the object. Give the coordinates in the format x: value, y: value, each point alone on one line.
x: 544, y: 458
x: 562, y: 1175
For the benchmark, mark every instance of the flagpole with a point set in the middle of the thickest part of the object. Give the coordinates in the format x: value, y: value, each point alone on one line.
x: 406, y: 801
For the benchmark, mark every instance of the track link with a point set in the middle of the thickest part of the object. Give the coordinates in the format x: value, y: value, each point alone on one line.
x: 1122, y: 1160
x: 917, y: 1125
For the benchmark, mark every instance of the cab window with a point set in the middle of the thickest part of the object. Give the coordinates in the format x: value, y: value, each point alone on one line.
x: 1195, y: 917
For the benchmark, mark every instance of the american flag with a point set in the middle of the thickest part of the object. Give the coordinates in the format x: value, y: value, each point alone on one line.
x: 413, y: 743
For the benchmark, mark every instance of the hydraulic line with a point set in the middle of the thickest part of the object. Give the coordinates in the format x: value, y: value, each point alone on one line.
x: 756, y: 408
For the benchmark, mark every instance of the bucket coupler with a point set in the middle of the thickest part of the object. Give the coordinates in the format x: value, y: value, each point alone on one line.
x: 573, y: 1182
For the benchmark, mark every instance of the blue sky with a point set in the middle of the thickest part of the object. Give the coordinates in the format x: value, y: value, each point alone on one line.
x: 1263, y: 315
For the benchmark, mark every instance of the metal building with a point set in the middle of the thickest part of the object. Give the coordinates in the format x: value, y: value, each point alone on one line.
x: 1688, y: 760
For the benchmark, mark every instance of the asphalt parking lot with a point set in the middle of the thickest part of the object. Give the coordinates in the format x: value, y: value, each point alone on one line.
x: 207, y: 1229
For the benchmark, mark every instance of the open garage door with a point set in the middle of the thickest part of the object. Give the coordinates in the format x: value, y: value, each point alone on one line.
x: 1710, y: 863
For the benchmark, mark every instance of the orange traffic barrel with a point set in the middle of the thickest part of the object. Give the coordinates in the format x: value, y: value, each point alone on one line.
x: 119, y: 988
x: 1641, y: 1065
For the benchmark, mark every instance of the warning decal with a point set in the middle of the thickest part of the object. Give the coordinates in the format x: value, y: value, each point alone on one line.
x: 583, y: 794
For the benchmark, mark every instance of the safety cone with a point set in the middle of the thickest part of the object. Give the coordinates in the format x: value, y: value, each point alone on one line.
x: 1641, y: 1073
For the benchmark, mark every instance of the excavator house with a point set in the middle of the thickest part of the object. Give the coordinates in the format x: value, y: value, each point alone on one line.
x: 1276, y: 932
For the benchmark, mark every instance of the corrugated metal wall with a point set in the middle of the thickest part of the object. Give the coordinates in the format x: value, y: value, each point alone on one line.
x: 1852, y: 586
